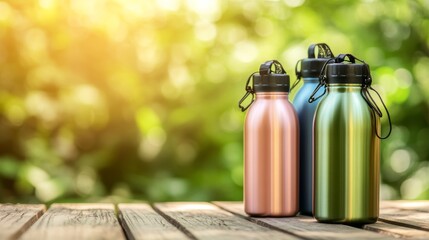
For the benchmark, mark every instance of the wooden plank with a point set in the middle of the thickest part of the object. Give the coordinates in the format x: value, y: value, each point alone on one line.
x: 406, y: 218
x: 416, y: 205
x: 17, y: 218
x: 304, y: 226
x: 77, y: 221
x: 206, y: 221
x: 397, y: 231
x: 140, y: 221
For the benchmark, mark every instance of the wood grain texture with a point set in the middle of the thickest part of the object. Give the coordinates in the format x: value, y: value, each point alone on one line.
x: 140, y: 221
x: 305, y: 227
x: 206, y: 221
x: 406, y: 218
x: 16, y: 218
x: 397, y: 231
x: 77, y: 221
x: 422, y: 206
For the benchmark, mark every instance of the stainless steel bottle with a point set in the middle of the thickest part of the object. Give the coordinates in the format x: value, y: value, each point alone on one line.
x: 270, y: 145
x: 309, y: 71
x: 347, y: 146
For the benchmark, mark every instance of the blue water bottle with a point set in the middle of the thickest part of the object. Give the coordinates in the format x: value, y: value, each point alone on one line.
x: 309, y: 72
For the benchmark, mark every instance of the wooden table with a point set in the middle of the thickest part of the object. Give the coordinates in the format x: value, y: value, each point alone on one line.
x: 197, y: 220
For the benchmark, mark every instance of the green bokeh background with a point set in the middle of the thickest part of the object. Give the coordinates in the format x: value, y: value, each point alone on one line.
x: 127, y: 100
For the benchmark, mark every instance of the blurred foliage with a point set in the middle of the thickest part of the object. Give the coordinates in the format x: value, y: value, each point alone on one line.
x: 121, y: 100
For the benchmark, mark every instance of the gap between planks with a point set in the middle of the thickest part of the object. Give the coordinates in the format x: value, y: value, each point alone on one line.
x: 141, y: 221
x: 410, y: 219
x: 15, y: 219
x: 397, y: 231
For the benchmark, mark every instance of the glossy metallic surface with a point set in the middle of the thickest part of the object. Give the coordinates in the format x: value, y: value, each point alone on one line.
x: 271, y: 156
x: 305, y: 111
x: 347, y: 158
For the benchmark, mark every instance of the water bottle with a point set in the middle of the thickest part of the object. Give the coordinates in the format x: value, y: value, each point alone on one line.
x: 270, y: 145
x: 347, y: 144
x: 309, y: 72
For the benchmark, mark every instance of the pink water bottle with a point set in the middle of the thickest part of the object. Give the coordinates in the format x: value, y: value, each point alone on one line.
x: 270, y: 145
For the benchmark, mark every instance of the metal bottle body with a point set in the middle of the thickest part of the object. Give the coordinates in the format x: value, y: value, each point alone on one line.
x: 305, y: 111
x: 346, y: 158
x: 271, y: 156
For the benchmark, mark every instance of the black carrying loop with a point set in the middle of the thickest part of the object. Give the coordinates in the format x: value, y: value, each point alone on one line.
x: 249, y: 90
x: 366, y: 86
x: 298, y: 74
x: 264, y: 71
x: 322, y: 82
x: 265, y: 68
x: 324, y: 51
x: 342, y: 58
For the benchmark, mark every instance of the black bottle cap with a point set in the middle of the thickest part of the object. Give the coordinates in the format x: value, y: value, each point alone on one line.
x: 268, y: 80
x: 346, y: 73
x: 311, y: 66
x: 273, y: 82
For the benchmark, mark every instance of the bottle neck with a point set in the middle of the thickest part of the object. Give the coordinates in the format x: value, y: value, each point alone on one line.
x: 310, y: 79
x: 341, y: 87
x: 272, y: 95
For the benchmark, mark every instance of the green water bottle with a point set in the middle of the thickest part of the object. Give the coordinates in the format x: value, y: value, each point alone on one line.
x: 347, y: 144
